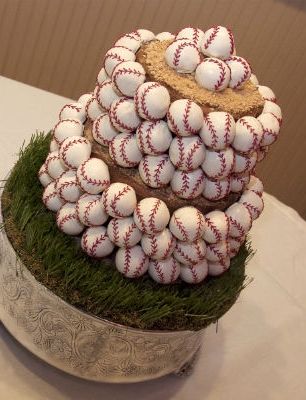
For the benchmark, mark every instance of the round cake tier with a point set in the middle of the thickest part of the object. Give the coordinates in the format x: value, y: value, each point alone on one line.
x: 131, y: 177
x: 242, y: 102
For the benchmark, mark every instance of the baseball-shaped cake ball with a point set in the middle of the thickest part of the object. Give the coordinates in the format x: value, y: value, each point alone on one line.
x: 240, y: 71
x: 102, y: 76
x: 103, y: 131
x: 218, y: 42
x: 261, y: 153
x: 213, y: 74
x: 131, y: 261
x: 152, y: 101
x: 90, y: 210
x: 217, y: 251
x: 54, y: 165
x: 68, y: 221
x: 218, y: 130
x: 158, y: 246
x: 153, y: 137
x: 253, y: 202
x: 164, y: 271
x: 240, y: 221
x: 164, y: 36
x: 127, y: 76
x: 124, y: 150
x: 218, y: 268
x: 145, y: 35
x: 66, y: 128
x: 216, y: 227
x: 273, y: 108
x: 187, y: 153
x: 68, y: 188
x: 195, y: 35
x: 267, y: 93
x: 51, y: 199
x: 96, y: 243
x: 255, y: 185
x: 239, y: 181
x: 188, y: 185
x: 84, y: 98
x: 187, y: 224
x: 190, y: 253
x: 123, y: 232
x: 185, y: 118
x: 234, y: 245
x: 131, y: 41
x: 116, y: 55
x: 74, y: 151
x: 106, y: 94
x: 218, y: 164
x: 254, y: 80
x: 216, y: 189
x: 194, y: 273
x: 151, y: 215
x: 183, y: 56
x: 248, y: 136
x: 43, y: 176
x: 271, y: 128
x: 93, y: 176
x: 123, y: 115
x: 244, y: 162
x: 119, y: 200
x: 93, y: 108
x: 156, y: 171
x: 73, y: 111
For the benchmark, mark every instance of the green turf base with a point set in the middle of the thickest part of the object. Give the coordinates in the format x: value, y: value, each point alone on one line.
x: 94, y: 286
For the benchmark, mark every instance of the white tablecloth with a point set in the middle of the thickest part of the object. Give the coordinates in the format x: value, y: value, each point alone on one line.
x: 259, y: 351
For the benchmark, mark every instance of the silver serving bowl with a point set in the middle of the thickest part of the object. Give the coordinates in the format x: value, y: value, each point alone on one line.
x: 79, y: 343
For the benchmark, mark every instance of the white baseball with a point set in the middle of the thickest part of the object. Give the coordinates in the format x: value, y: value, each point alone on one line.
x: 239, y: 181
x: 213, y: 74
x: 84, y: 98
x: 216, y: 227
x: 164, y: 271
x: 123, y: 232
x: 69, y: 173
x: 106, y: 94
x: 124, y: 150
x: 123, y: 115
x: 271, y: 107
x: 127, y: 76
x: 183, y: 56
x: 53, y: 145
x: 218, y: 164
x: 51, y: 199
x: 73, y: 111
x: 116, y: 55
x: 234, y: 245
x: 218, y: 130
x: 218, y: 42
x: 249, y: 133
x: 187, y: 224
x: 253, y: 202
x: 103, y: 131
x: 54, y: 165
x: 156, y: 171
x: 217, y: 251
x: 145, y: 35
x: 244, y: 162
x: 196, y: 35
x: 93, y: 108
x: 119, y: 200
x: 240, y: 71
x: 131, y: 261
x: 68, y: 188
x: 240, y: 221
x: 68, y: 221
x: 102, y: 76
x: 96, y: 243
x: 194, y: 273
x: 153, y: 137
x: 216, y: 189
x: 164, y: 36
x: 158, y: 246
x: 90, y: 210
x: 187, y: 153
x: 66, y: 128
x: 131, y: 41
x: 266, y: 93
x: 271, y: 128
x: 188, y: 185
x: 184, y: 117
x: 74, y: 151
x: 152, y: 101
x: 43, y: 176
x: 190, y: 253
x: 93, y: 176
x: 255, y: 185
x: 151, y: 215
x: 217, y: 268
x: 254, y: 80
x: 261, y: 153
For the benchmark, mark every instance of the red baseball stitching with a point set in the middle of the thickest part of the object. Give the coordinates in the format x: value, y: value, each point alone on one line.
x: 222, y: 72
x: 246, y: 70
x: 231, y: 37
x: 139, y: 269
x: 222, y: 164
x: 45, y: 199
x: 61, y: 222
x: 228, y: 125
x: 159, y: 272
x: 146, y: 169
x: 185, y: 185
x: 252, y: 131
x: 200, y: 223
x: 238, y: 226
x: 181, y: 152
x: 180, y: 227
x: 128, y: 234
x: 139, y: 134
x: 191, y: 154
x: 152, y: 216
x: 140, y: 218
x: 214, y: 229
x: 95, y: 244
x: 194, y: 274
x: 158, y: 171
x: 117, y: 197
x: 142, y: 101
x: 95, y: 182
x: 185, y: 256
x: 124, y: 71
x: 196, y: 187
x: 211, y: 130
x: 200, y: 254
x: 127, y: 259
x: 251, y: 208
x: 211, y: 37
x: 88, y: 209
x: 170, y: 246
x: 101, y: 87
x: 65, y: 148
x: 115, y: 226
x: 114, y: 117
x: 153, y: 245
x: 71, y: 106
x: 59, y: 122
x: 122, y: 150
x: 66, y: 185
x: 170, y: 119
x: 179, y: 49
x: 115, y: 56
x: 173, y: 271
x: 149, y: 138
x: 216, y: 252
x: 185, y: 119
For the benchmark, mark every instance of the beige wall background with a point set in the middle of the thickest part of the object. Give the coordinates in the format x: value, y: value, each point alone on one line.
x: 58, y: 45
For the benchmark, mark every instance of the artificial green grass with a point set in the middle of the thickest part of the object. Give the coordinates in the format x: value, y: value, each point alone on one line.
x: 57, y: 261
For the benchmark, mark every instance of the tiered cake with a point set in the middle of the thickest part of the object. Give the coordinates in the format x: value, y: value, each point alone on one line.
x: 157, y: 164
